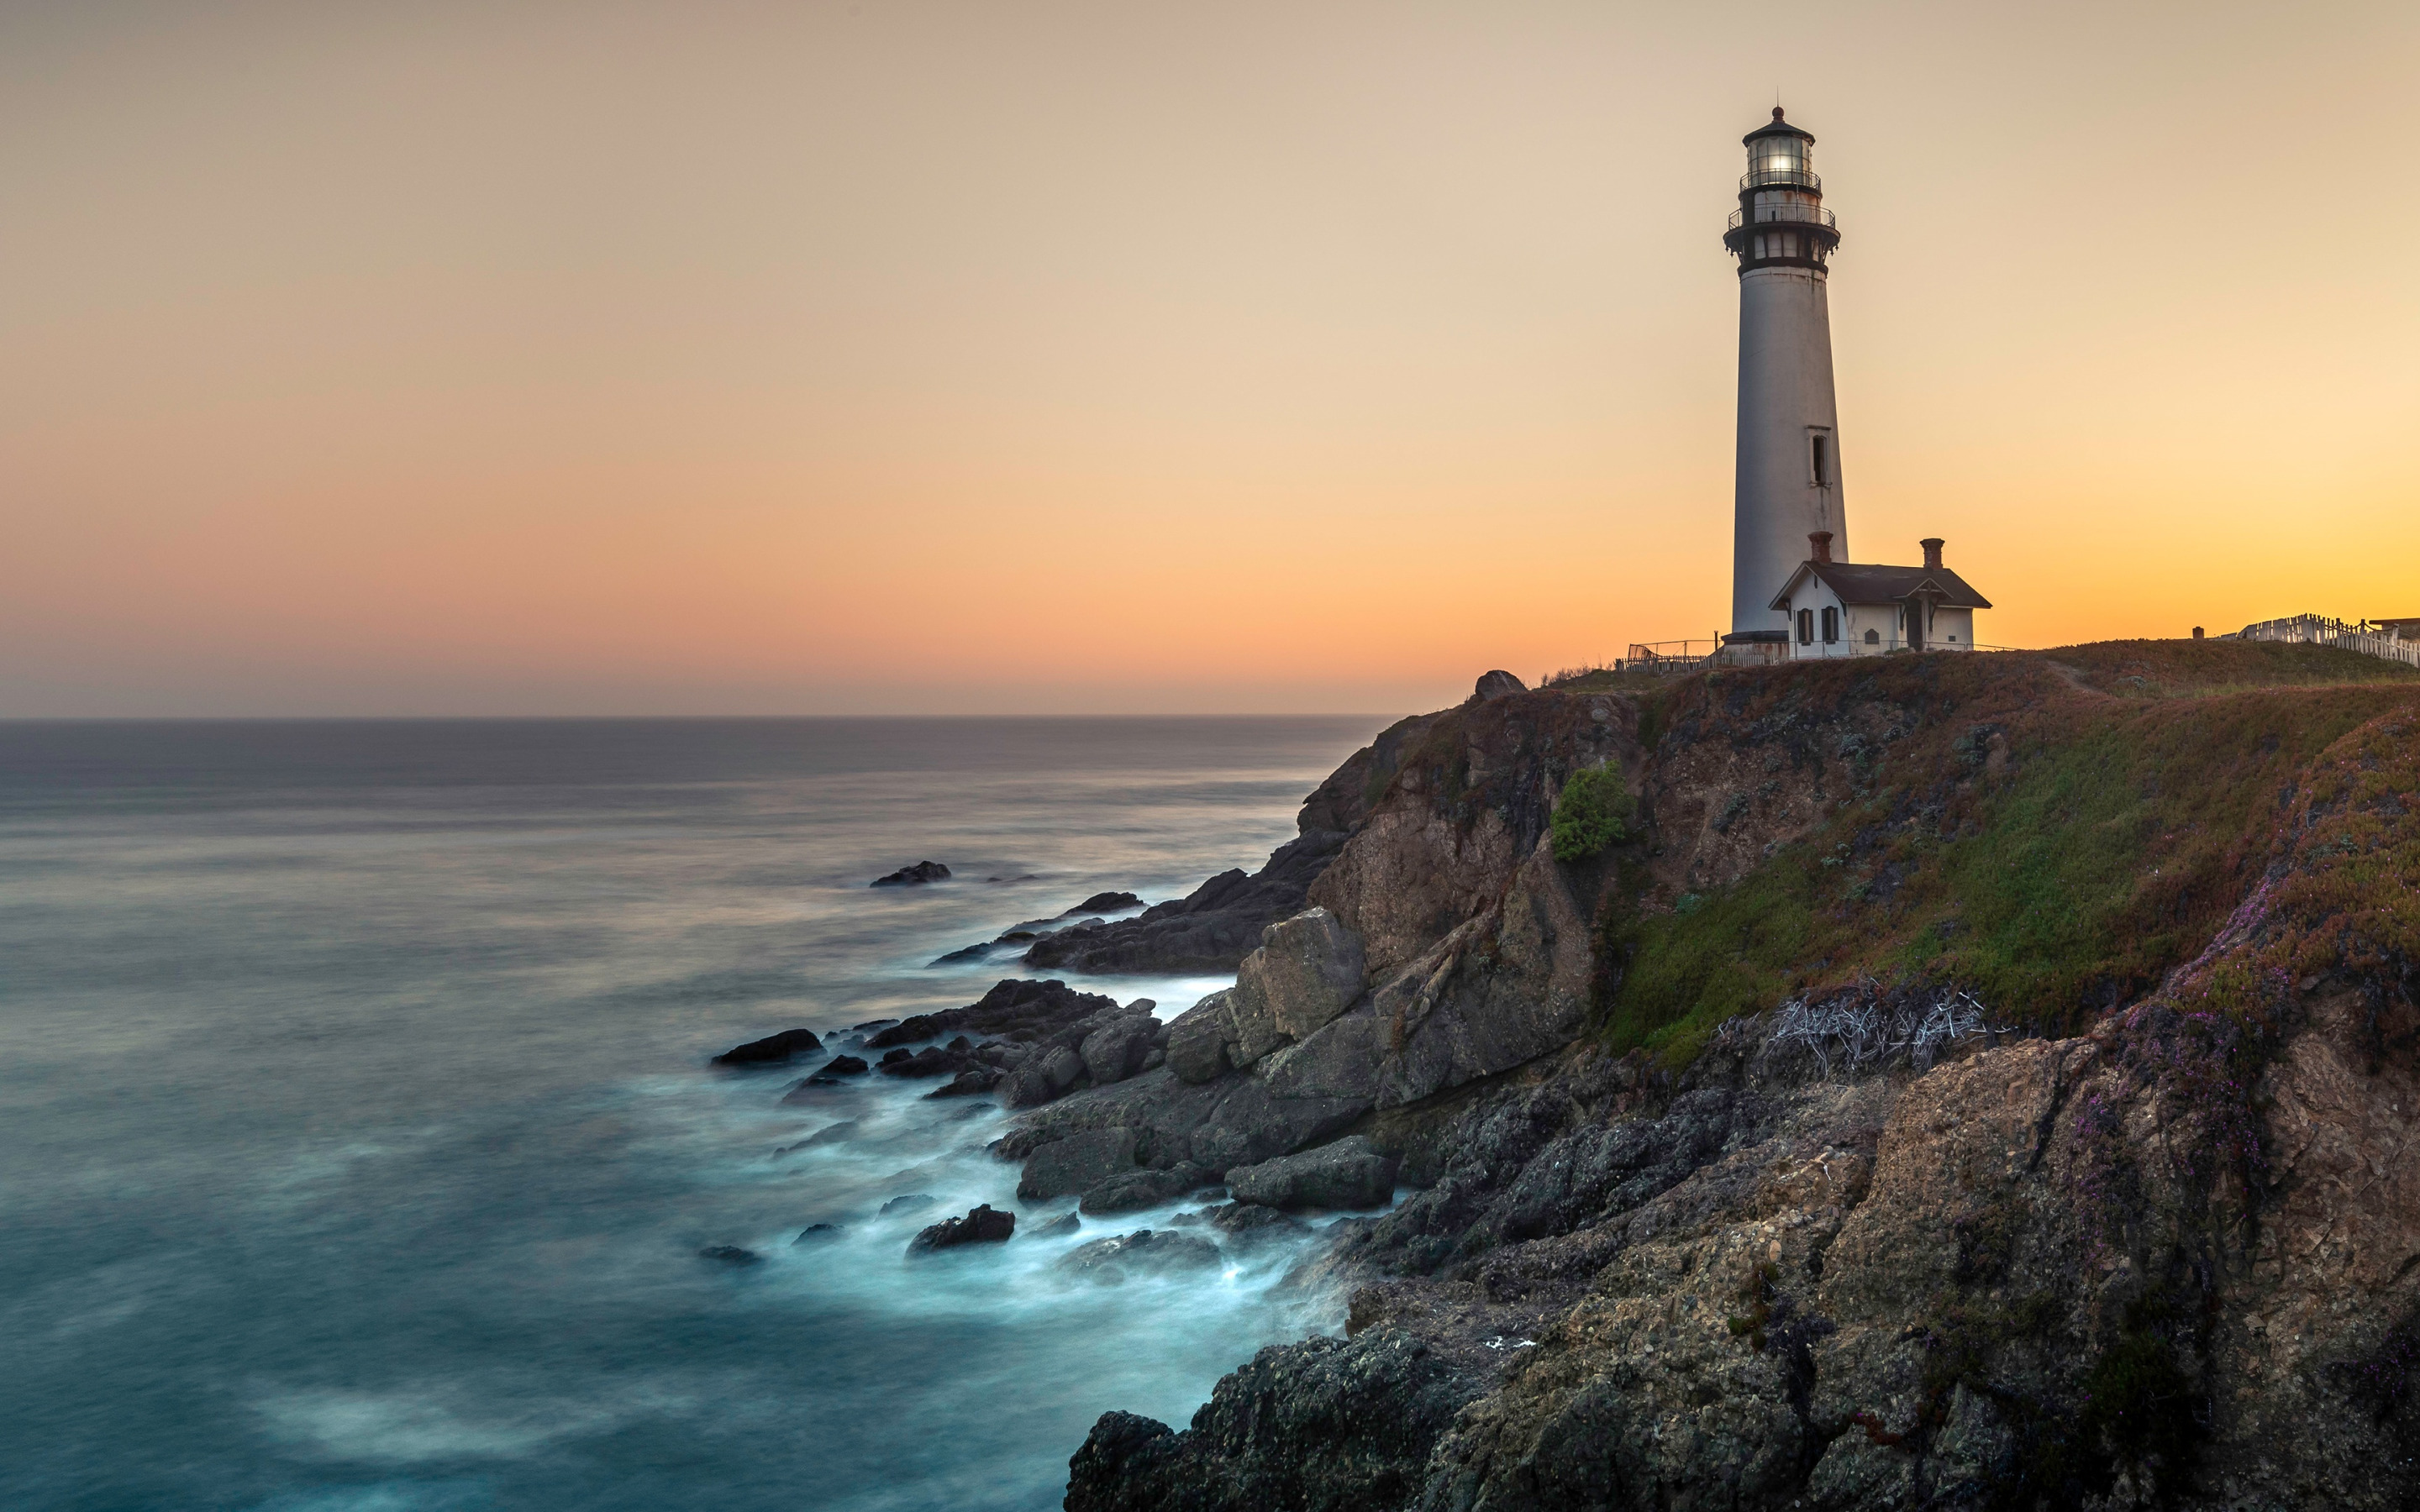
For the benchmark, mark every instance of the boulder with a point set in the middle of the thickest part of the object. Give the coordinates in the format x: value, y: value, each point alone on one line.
x: 1067, y: 1166
x: 842, y: 1066
x: 772, y: 1050
x: 1141, y: 1189
x: 908, y: 1203
x: 984, y: 1225
x: 1118, y: 1051
x: 1350, y: 1173
x: 913, y: 877
x: 1496, y: 685
x: 1340, y: 1061
x: 1059, y: 1227
x: 1307, y: 971
x: 816, y: 1234
x: 1200, y: 1039
x: 729, y: 1254
x: 1107, y: 1261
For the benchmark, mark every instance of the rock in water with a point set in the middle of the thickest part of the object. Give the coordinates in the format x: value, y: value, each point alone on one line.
x: 913, y: 877
x: 908, y: 1203
x: 1020, y: 1011
x: 1496, y: 685
x: 1141, y: 1189
x: 1069, y: 1166
x: 1057, y: 1227
x: 1106, y: 1261
x: 1104, y: 902
x: 1350, y: 1173
x: 984, y: 1224
x: 729, y: 1254
x: 772, y: 1050
x: 1249, y: 1223
x: 816, y: 1234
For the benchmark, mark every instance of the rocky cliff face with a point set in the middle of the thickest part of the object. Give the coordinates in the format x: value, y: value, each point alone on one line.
x: 1717, y: 1213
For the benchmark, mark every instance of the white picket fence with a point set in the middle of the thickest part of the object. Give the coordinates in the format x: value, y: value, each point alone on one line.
x: 2318, y: 629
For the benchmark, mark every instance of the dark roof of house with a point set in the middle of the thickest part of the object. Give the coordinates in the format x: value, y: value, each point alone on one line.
x: 1859, y: 583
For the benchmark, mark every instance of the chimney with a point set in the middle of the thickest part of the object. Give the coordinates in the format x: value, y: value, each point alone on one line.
x: 1821, y: 542
x: 2196, y: 632
x: 1931, y: 545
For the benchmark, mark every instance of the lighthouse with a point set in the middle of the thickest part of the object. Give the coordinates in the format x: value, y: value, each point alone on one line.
x: 1787, y: 484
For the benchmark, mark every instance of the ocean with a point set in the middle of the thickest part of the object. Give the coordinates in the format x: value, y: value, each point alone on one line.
x: 357, y: 1139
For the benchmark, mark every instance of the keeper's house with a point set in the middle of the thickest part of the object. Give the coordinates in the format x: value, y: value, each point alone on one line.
x: 1841, y: 608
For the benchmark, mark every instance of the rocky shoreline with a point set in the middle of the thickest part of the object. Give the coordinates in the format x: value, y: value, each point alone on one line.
x: 2127, y: 1216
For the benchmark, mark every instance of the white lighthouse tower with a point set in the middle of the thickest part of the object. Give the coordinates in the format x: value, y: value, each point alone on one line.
x: 1788, y: 482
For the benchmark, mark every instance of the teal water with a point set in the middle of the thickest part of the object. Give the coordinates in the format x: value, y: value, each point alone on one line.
x: 357, y: 1144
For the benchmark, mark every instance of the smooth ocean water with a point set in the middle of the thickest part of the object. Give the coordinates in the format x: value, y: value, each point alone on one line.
x: 357, y: 1144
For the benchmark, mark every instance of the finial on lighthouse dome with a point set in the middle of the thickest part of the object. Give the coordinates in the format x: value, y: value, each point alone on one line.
x: 1776, y: 113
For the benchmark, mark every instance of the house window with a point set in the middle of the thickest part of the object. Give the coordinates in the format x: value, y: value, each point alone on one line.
x: 1873, y: 638
x: 1831, y: 627
x: 1819, y: 453
x: 1806, y: 627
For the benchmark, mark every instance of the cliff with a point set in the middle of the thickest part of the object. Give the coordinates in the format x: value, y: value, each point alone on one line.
x: 1980, y: 1081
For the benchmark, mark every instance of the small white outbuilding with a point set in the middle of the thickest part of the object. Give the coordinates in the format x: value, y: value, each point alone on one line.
x: 1842, y: 608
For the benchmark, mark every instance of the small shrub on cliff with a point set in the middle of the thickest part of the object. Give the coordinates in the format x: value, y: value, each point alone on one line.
x: 1593, y: 812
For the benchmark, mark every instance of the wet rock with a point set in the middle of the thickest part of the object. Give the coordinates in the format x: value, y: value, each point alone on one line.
x: 1307, y: 971
x: 772, y: 1050
x: 1104, y: 902
x: 1141, y: 1189
x: 913, y: 877
x: 1209, y: 930
x: 831, y: 1134
x: 1017, y: 1010
x: 729, y: 1254
x: 816, y: 1234
x: 1057, y: 1228
x: 834, y: 1074
x: 1109, y: 1261
x: 972, y: 1082
x: 1350, y: 1173
x: 973, y: 952
x: 908, y: 1203
x: 1067, y: 1166
x: 933, y: 1060
x: 984, y: 1225
x: 1249, y: 1223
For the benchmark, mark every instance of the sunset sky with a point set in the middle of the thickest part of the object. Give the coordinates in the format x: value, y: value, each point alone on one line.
x: 505, y: 358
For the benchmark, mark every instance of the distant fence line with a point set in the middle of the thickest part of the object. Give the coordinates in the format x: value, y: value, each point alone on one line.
x: 2318, y: 629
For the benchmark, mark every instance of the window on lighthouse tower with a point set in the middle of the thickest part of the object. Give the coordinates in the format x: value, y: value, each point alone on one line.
x: 1819, y: 457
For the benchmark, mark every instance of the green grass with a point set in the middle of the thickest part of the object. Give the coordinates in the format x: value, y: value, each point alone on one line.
x: 2115, y: 842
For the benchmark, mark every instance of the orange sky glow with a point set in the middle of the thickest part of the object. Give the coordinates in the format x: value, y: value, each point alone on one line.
x: 514, y: 358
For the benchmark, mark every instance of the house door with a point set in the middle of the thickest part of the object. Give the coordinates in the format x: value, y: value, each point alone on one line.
x: 1912, y: 611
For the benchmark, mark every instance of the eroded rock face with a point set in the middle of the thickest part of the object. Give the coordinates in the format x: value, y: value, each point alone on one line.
x: 984, y: 1224
x: 1307, y: 971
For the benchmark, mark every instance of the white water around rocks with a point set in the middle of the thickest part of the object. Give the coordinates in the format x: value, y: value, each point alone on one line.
x: 357, y: 1144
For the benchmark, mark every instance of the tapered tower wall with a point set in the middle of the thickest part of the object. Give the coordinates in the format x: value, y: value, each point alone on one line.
x: 1789, y: 429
